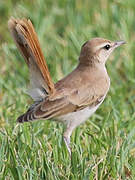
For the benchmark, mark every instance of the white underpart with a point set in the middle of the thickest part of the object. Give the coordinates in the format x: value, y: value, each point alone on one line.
x: 74, y: 119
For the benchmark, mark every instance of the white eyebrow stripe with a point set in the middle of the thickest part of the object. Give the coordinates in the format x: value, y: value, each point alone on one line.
x: 102, y: 45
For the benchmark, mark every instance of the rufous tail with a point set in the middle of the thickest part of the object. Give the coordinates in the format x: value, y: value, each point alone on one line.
x: 27, y: 42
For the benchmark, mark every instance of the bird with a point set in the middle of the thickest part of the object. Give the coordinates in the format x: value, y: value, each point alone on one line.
x: 74, y: 98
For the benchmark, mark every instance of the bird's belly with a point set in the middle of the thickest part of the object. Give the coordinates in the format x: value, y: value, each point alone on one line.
x: 76, y: 118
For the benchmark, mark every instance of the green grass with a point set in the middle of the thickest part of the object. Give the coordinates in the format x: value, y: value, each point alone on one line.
x: 104, y: 147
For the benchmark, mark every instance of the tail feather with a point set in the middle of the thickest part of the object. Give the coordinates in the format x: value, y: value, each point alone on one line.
x: 22, y: 118
x: 25, y: 118
x: 29, y: 115
x: 27, y: 42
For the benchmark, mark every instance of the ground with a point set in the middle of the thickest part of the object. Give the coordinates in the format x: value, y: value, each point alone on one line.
x: 104, y: 147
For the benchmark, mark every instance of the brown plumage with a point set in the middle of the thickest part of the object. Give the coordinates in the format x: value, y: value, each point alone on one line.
x: 74, y: 98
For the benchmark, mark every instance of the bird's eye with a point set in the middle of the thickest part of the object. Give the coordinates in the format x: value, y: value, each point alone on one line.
x: 107, y: 47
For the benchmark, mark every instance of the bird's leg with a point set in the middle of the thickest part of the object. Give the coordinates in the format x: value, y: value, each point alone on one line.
x: 67, y: 142
x: 66, y: 136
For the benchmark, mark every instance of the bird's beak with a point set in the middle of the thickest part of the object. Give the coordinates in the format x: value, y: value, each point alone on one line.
x: 119, y: 43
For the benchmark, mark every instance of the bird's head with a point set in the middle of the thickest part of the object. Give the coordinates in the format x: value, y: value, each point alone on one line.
x: 98, y: 50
